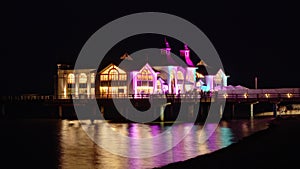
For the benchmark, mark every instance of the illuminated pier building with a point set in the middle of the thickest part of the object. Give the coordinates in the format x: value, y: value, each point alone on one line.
x: 149, y: 79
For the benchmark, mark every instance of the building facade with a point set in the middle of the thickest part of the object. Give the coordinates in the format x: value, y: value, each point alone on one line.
x: 149, y: 79
x: 79, y: 83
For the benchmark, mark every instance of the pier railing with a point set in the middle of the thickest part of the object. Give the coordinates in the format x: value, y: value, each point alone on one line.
x: 230, y: 95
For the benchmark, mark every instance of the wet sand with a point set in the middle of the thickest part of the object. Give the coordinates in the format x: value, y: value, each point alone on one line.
x: 276, y: 147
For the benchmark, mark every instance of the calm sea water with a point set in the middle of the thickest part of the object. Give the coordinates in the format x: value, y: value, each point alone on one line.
x: 64, y: 144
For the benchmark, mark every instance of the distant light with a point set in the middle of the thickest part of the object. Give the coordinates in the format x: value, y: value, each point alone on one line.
x: 225, y: 95
x: 267, y: 95
x: 289, y: 95
x: 245, y: 95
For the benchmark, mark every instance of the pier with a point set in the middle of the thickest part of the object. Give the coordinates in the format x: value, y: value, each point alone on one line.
x: 247, y: 102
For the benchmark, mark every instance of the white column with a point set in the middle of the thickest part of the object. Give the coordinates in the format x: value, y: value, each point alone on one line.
x: 65, y: 82
x: 154, y: 83
x: 88, y: 86
x: 76, y: 85
x: 134, y: 82
x: 225, y: 81
x: 176, y: 86
x: 251, y: 111
x: 210, y: 81
x: 60, y: 84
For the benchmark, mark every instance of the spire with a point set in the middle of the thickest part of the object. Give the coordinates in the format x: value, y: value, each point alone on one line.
x: 167, y: 52
x: 167, y: 44
x: 186, y: 54
x: 186, y: 47
x: 126, y: 57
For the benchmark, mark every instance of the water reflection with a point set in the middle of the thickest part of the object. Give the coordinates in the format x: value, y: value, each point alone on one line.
x: 79, y: 151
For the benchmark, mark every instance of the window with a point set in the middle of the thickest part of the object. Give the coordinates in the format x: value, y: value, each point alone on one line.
x: 71, y: 85
x: 82, y: 85
x: 82, y: 78
x: 145, y: 75
x: 122, y: 77
x: 71, y: 78
x: 158, y: 84
x: 113, y: 74
x: 139, y: 77
x: 145, y: 81
x: 104, y: 77
x: 121, y: 91
x: 180, y: 75
x: 150, y: 83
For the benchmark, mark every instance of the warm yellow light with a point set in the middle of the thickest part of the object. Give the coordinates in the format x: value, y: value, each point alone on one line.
x: 267, y: 95
x: 289, y: 95
x: 225, y: 95
x: 245, y: 95
x: 199, y: 75
x: 65, y: 92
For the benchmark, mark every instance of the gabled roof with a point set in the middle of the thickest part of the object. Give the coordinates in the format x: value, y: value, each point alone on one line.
x: 147, y: 66
x: 221, y: 73
x: 163, y: 75
x: 110, y: 67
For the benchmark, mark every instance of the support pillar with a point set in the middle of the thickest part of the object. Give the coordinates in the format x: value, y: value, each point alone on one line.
x: 251, y: 111
x: 3, y: 110
x: 60, y: 111
x: 191, y: 109
x: 274, y: 109
x: 221, y: 110
x: 162, y: 109
x: 232, y: 111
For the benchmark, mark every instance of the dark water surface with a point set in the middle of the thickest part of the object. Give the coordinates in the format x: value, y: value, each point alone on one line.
x: 49, y: 143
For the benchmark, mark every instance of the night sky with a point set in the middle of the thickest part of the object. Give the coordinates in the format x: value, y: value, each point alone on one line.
x: 252, y: 39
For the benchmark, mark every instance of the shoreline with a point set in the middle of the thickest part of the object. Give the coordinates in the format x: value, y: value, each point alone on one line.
x: 274, y: 147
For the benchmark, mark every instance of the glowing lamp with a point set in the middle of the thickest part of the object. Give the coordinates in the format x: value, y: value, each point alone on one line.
x: 225, y: 95
x: 267, y: 95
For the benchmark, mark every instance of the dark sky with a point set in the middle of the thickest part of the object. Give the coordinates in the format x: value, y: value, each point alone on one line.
x: 252, y: 39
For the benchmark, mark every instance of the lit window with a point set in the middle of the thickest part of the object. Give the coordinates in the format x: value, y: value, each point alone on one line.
x: 82, y: 78
x: 180, y: 75
x: 158, y: 84
x: 113, y: 75
x: 122, y: 77
x: 104, y: 77
x: 71, y: 78
x: 144, y: 83
x: 139, y: 77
